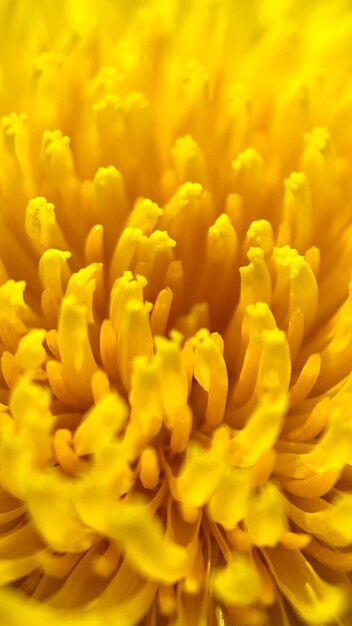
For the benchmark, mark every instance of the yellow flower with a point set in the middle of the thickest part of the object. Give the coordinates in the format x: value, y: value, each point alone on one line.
x: 175, y: 314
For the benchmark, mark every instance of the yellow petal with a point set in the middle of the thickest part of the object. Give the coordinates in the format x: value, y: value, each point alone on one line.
x: 140, y: 534
x: 53, y: 514
x: 315, y: 600
x: 101, y: 423
x: 76, y: 353
x: 210, y: 371
x: 266, y: 518
x: 228, y: 505
x: 238, y: 583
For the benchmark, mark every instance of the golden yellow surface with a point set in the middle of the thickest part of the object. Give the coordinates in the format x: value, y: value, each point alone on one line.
x: 175, y: 312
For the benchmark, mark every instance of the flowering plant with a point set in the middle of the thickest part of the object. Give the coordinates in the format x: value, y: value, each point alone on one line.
x: 175, y: 313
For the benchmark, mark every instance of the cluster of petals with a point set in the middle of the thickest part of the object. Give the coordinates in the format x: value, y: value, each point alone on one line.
x: 175, y: 313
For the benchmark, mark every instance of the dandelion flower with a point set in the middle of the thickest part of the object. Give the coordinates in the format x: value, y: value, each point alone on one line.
x: 175, y: 313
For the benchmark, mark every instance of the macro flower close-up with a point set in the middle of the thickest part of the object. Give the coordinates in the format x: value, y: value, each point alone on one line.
x: 175, y: 313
